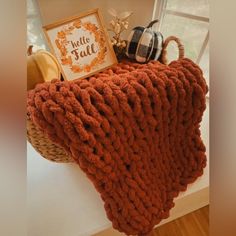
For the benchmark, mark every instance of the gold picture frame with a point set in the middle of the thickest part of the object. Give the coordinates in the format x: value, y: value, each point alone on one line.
x: 81, y: 45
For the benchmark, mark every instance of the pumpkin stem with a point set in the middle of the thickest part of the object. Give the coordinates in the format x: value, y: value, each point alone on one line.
x: 152, y: 23
x: 30, y: 50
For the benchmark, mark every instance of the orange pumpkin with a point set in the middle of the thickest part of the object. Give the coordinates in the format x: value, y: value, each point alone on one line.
x: 42, y: 66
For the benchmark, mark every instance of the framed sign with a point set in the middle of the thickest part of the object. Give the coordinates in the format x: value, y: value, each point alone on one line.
x: 81, y: 45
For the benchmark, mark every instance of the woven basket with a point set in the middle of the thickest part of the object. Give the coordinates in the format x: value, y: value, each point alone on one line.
x: 45, y: 146
x: 53, y: 152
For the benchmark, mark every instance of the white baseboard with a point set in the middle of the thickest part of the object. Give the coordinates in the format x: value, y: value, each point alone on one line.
x: 187, y: 204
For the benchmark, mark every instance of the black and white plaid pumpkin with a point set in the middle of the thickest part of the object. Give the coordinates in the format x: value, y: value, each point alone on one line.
x: 144, y: 44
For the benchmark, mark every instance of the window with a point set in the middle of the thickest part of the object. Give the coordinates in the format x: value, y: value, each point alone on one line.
x: 188, y: 20
x: 34, y: 26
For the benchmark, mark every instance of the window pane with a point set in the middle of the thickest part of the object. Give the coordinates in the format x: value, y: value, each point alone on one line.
x: 35, y: 34
x: 204, y: 63
x: 191, y: 32
x: 31, y: 7
x: 199, y: 7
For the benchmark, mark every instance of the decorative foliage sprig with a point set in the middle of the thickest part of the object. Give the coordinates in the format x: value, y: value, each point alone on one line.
x: 118, y: 25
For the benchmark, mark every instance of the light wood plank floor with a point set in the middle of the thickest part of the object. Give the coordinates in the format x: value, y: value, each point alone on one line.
x: 193, y: 224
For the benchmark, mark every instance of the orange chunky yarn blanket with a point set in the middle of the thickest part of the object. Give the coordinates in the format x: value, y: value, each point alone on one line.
x: 134, y: 130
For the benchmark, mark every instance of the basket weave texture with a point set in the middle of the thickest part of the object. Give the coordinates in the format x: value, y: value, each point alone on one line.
x: 43, y: 145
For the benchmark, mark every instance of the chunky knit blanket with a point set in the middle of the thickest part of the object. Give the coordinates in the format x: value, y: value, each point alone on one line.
x: 134, y: 131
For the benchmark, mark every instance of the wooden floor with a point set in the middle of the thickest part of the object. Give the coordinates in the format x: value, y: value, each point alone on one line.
x: 193, y: 224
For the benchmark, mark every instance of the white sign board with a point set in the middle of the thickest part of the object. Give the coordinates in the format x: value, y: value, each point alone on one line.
x: 81, y: 45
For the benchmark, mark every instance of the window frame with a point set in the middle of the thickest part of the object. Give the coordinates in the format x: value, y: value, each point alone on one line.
x: 160, y: 10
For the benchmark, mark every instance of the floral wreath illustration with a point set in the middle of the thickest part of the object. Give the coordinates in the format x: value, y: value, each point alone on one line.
x: 61, y: 42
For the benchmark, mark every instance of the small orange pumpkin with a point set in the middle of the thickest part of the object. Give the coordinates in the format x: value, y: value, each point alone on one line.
x: 42, y: 66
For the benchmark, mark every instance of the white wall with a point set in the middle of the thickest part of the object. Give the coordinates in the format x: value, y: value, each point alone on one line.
x: 54, y: 10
